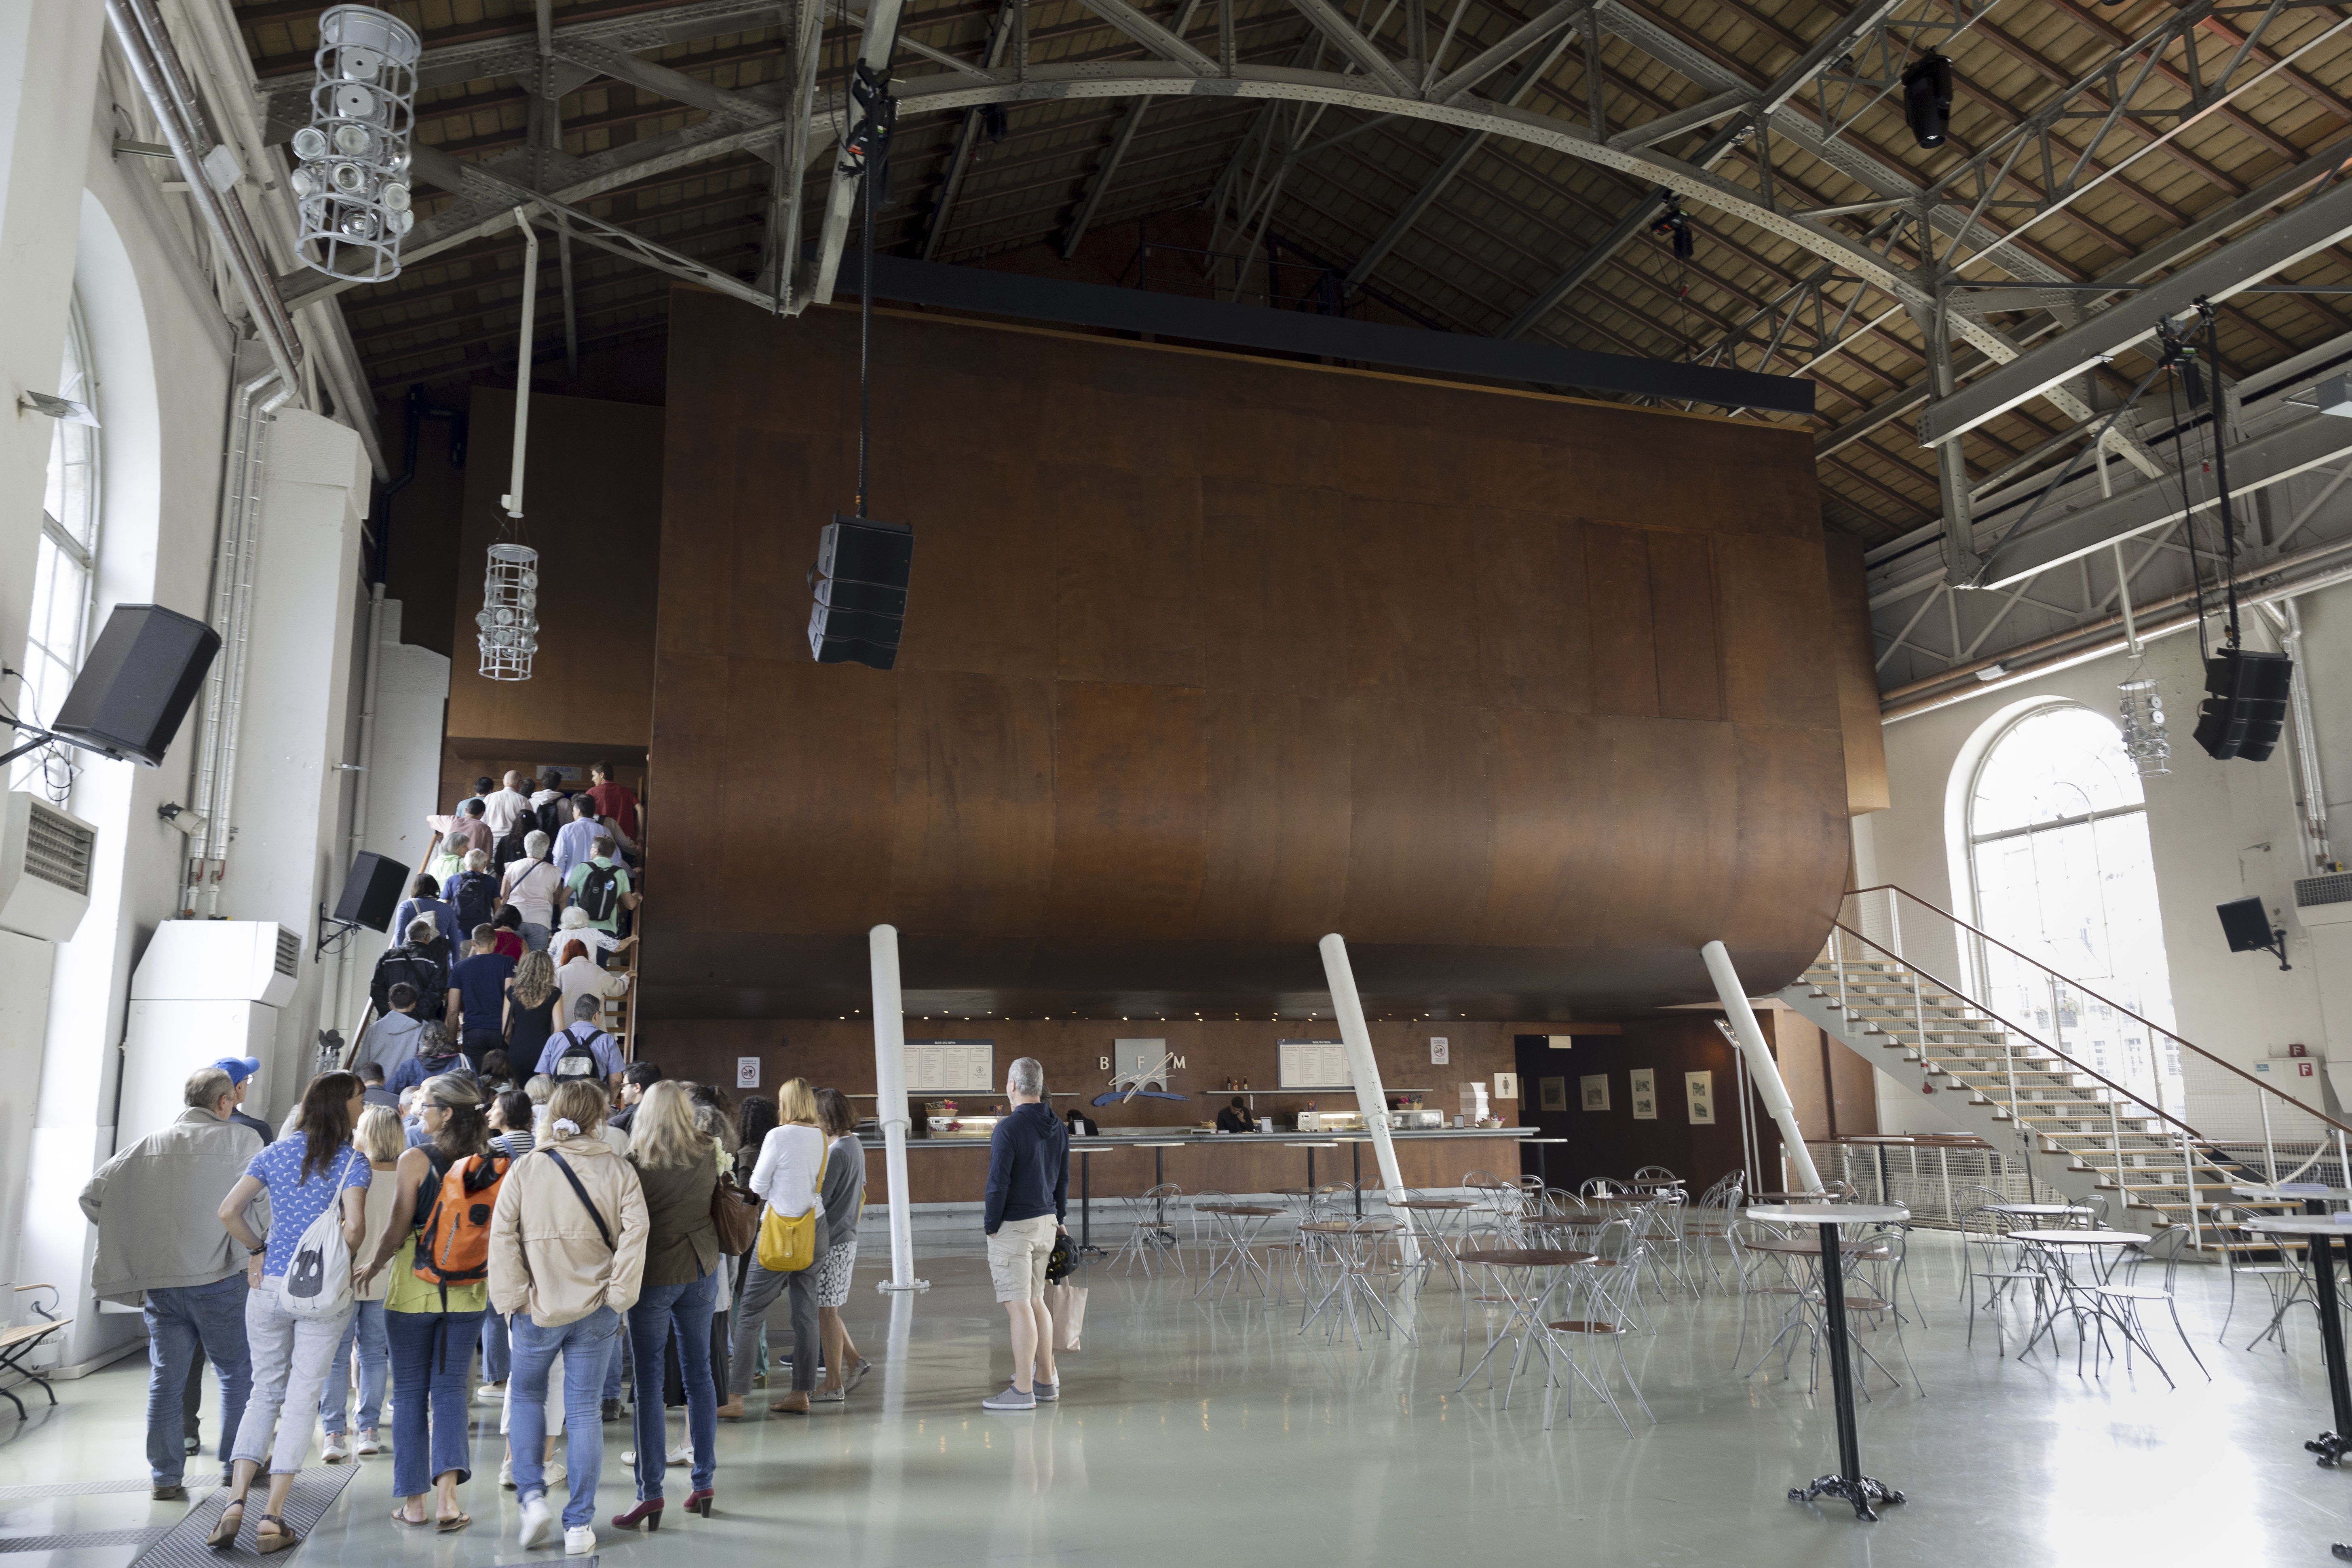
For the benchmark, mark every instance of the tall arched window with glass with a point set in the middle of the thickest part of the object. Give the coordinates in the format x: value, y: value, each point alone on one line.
x: 2059, y: 855
x: 65, y: 573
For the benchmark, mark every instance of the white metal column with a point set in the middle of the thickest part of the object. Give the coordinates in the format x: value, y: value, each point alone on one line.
x: 1761, y: 1065
x: 890, y: 1104
x: 1364, y: 1071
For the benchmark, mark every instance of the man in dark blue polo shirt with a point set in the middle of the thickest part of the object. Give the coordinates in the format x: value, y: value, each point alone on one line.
x: 477, y: 997
x: 1028, y: 1194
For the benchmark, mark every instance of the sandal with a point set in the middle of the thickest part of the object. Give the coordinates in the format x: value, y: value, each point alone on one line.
x: 275, y: 1539
x: 453, y: 1523
x: 400, y: 1517
x: 225, y: 1528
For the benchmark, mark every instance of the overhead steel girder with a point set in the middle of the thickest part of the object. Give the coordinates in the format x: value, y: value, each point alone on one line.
x: 1130, y: 79
x: 2316, y: 225
x: 814, y: 286
x: 2264, y: 461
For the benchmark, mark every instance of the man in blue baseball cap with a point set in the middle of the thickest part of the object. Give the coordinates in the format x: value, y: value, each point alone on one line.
x: 241, y: 1071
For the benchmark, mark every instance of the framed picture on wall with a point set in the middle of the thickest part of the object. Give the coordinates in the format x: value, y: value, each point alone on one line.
x: 1699, y: 1087
x: 1554, y: 1091
x: 1596, y: 1090
x: 1645, y: 1094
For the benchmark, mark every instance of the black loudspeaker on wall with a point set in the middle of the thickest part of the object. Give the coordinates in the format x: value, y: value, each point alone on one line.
x: 371, y: 892
x: 2245, y: 703
x: 137, y: 684
x: 861, y: 569
x: 2247, y: 926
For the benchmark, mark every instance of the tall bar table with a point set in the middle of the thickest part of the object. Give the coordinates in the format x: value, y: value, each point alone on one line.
x: 1543, y: 1170
x: 1849, y: 1482
x: 1086, y: 1201
x: 2323, y: 1234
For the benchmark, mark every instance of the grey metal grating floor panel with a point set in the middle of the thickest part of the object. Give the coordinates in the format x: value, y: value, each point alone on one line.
x: 182, y: 1546
x: 74, y: 1488
x: 86, y: 1538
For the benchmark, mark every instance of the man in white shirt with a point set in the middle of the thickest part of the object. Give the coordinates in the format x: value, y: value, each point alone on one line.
x: 577, y: 842
x: 504, y: 808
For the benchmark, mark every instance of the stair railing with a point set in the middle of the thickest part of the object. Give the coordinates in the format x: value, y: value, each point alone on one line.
x: 2188, y: 1137
x: 2326, y: 1127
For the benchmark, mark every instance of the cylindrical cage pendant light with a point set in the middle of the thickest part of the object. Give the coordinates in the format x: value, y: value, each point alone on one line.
x: 2146, y: 740
x: 352, y: 183
x: 509, y: 616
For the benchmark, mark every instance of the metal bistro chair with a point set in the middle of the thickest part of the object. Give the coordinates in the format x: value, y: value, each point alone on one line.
x: 1989, y: 1259
x: 1495, y: 1218
x: 1603, y: 1187
x: 1618, y: 1256
x: 1151, y: 1234
x: 2283, y: 1278
x: 1599, y: 1313
x: 2123, y: 1300
x: 1873, y: 1272
x: 1707, y: 1221
x: 1761, y: 1277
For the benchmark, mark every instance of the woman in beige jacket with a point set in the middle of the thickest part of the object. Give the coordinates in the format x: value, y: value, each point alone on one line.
x: 567, y: 1255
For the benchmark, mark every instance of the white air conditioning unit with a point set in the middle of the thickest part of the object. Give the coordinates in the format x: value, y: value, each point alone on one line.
x: 44, y: 864
x: 203, y: 990
x: 219, y: 961
x: 2324, y: 900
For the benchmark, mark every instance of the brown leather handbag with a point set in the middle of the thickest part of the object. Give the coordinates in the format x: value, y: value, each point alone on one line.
x: 735, y: 1216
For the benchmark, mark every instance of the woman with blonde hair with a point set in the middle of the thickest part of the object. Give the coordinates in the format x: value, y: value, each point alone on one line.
x: 677, y: 1167
x: 527, y: 1018
x: 382, y: 1139
x: 791, y: 1167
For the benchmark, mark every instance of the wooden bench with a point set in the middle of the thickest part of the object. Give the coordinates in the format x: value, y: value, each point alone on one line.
x: 22, y: 1339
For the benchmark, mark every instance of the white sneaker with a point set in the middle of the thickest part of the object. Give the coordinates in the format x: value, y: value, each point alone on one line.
x: 537, y: 1521
x: 338, y: 1448
x: 579, y: 1542
x: 370, y: 1442
x: 489, y: 1394
x: 683, y: 1453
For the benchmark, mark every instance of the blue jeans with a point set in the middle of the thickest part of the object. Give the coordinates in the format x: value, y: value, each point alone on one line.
x: 686, y: 1309
x: 182, y: 1320
x: 535, y: 936
x: 586, y: 1345
x: 616, y: 1367
x: 365, y: 1333
x: 495, y: 1348
x: 430, y: 1354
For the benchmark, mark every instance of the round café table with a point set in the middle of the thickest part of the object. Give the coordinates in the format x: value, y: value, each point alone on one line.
x: 2059, y: 1248
x: 1441, y: 1241
x: 2324, y: 1234
x: 1347, y: 1283
x: 1309, y: 1191
x: 1237, y: 1228
x: 2040, y: 1211
x: 1849, y: 1482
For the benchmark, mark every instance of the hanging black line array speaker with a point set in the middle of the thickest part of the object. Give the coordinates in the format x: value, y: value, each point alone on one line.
x: 371, y: 892
x: 2245, y: 703
x: 860, y: 582
x: 137, y: 683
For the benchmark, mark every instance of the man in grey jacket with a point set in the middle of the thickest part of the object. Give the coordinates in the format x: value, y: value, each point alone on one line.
x: 160, y: 1245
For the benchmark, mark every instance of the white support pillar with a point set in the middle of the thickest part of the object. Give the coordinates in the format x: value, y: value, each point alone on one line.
x: 1364, y: 1072
x: 890, y: 1104
x: 1761, y: 1065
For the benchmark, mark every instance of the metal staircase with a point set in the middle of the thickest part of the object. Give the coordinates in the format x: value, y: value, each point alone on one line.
x: 2078, y: 1132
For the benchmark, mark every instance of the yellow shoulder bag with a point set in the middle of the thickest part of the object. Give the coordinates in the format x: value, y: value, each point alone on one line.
x: 788, y: 1245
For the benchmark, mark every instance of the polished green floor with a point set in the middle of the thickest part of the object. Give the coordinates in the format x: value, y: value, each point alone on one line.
x: 1192, y: 1433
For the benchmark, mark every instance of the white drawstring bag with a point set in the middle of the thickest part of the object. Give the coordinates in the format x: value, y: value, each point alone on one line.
x: 318, y: 1280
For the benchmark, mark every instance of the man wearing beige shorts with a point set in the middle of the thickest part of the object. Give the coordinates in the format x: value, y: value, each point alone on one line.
x: 1028, y: 1196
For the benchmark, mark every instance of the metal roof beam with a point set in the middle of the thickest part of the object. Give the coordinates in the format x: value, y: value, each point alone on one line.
x: 2316, y: 225
x: 1458, y: 82
x: 1160, y: 40
x: 874, y: 53
x: 1362, y: 52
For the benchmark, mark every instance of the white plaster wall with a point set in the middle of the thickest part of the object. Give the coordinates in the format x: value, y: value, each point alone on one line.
x: 2219, y: 831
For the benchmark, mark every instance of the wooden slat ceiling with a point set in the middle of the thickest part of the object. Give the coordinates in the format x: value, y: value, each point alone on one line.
x: 1516, y: 217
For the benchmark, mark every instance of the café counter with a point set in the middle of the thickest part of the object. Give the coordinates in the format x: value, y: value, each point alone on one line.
x: 955, y: 1170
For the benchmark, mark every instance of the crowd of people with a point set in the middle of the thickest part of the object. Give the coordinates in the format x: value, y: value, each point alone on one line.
x: 562, y: 1236
x: 489, y: 1182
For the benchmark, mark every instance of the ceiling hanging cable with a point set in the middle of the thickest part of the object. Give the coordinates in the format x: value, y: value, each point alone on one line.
x: 2187, y: 495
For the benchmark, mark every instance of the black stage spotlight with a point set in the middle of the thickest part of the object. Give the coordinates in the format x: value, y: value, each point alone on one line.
x: 1673, y: 225
x: 1927, y: 98
x: 2248, y: 927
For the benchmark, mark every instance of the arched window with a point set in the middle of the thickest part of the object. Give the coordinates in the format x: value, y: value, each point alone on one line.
x: 65, y: 573
x: 2059, y: 857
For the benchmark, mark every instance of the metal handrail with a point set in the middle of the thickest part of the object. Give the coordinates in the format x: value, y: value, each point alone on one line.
x: 2046, y: 1050
x: 2078, y: 985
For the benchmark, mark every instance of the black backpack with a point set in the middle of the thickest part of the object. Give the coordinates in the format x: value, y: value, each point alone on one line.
x: 600, y: 892
x: 405, y: 963
x: 509, y: 850
x: 474, y: 895
x: 550, y: 817
x: 579, y: 1057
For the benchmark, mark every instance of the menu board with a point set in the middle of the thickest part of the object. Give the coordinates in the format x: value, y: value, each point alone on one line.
x: 1314, y: 1064
x: 951, y: 1067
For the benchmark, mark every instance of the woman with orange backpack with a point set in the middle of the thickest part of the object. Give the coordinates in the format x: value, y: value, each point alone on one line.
x: 439, y: 1246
